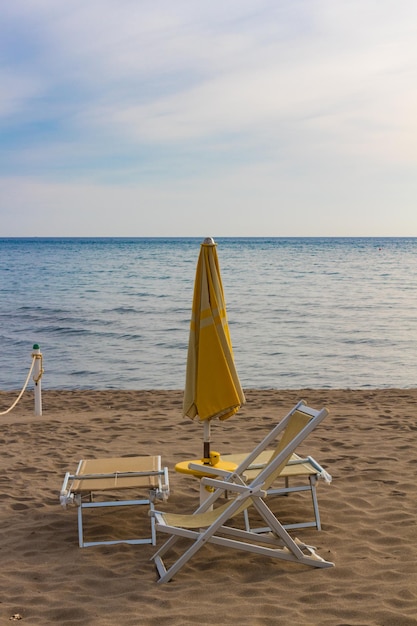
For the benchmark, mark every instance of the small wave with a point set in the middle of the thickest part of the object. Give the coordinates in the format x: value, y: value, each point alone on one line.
x: 294, y: 321
x: 124, y: 310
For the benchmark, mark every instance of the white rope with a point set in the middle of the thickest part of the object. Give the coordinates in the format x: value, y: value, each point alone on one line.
x: 24, y: 387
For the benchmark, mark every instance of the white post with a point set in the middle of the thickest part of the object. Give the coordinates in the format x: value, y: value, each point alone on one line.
x: 37, y: 377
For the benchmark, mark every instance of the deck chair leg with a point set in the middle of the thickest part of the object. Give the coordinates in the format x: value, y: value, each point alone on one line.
x: 199, y: 540
x: 165, y: 547
x: 247, y: 522
x: 277, y: 528
x: 294, y: 546
x: 165, y: 574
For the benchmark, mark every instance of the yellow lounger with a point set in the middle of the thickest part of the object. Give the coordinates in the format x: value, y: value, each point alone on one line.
x: 298, y: 470
x: 113, y: 476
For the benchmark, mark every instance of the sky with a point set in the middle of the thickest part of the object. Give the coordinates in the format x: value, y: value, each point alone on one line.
x: 220, y: 118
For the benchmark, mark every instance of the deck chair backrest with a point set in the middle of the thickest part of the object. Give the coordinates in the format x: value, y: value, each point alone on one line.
x: 295, y: 426
x: 297, y: 422
x: 279, y: 432
x: 298, y: 426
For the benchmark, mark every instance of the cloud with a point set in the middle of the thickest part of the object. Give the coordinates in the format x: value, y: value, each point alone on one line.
x: 259, y: 99
x: 251, y: 200
x: 16, y: 90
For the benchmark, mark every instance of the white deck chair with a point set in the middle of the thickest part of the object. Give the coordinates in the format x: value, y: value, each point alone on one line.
x: 209, y: 526
x: 114, y: 479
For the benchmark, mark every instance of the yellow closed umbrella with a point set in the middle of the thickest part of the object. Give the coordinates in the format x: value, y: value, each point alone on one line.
x: 212, y: 387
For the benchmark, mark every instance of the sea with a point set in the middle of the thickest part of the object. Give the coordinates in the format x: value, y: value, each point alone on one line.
x: 114, y: 313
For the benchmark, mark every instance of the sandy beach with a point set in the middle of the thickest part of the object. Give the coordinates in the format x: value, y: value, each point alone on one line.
x: 368, y: 443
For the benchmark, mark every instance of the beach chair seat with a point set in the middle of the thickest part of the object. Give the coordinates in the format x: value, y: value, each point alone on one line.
x: 301, y: 474
x: 112, y: 481
x: 218, y: 525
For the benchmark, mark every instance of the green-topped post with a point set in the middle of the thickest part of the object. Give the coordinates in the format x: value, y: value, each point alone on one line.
x: 37, y: 377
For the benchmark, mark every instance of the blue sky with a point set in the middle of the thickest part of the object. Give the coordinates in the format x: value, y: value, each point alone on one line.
x: 223, y: 118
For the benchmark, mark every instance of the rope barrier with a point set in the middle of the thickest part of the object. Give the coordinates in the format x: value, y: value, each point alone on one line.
x: 35, y: 357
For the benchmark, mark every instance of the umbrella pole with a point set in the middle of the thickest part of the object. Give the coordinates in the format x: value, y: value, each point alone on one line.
x: 204, y: 493
x: 206, y: 442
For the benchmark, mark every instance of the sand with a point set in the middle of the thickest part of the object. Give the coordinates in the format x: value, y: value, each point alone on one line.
x: 369, y: 512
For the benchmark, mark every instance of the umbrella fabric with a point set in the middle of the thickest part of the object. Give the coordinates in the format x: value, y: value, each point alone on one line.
x: 212, y: 386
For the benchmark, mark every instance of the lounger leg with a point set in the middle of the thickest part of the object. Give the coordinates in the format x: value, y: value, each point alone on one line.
x: 313, y: 481
x: 116, y: 503
x: 153, y: 529
x: 247, y: 522
x: 80, y: 526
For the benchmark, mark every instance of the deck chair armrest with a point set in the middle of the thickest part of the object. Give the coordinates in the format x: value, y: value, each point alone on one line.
x: 320, y: 470
x: 227, y: 486
x: 163, y: 490
x: 165, y: 485
x: 65, y: 496
x: 299, y: 461
x: 157, y: 515
x: 210, y: 469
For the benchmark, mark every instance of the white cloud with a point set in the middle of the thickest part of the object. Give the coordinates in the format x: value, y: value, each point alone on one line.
x: 220, y: 103
x: 16, y: 90
x: 252, y: 200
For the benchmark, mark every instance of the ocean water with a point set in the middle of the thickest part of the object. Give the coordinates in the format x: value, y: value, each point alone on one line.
x: 114, y: 313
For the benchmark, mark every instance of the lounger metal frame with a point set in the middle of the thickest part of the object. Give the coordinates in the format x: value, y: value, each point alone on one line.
x: 72, y: 491
x: 297, y: 469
